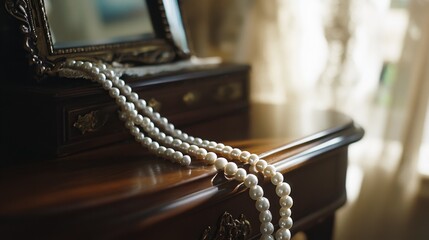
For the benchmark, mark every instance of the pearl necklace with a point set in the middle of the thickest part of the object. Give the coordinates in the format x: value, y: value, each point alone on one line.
x: 160, y: 137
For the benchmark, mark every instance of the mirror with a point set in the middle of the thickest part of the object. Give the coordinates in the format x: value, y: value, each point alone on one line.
x: 135, y: 32
x: 77, y: 23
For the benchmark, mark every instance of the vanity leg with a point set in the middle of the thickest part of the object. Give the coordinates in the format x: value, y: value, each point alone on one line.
x: 323, y: 230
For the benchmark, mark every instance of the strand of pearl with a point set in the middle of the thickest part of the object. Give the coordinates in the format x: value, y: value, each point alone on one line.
x: 176, y: 145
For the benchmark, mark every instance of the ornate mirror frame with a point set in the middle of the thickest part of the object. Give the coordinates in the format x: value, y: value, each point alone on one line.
x: 169, y: 44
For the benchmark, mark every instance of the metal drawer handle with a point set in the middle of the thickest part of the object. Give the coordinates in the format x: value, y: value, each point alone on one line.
x: 190, y: 98
x: 229, y: 229
x: 155, y: 104
x: 90, y: 122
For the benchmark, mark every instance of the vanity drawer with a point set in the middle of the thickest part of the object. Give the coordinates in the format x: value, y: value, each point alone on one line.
x: 94, y: 122
x: 75, y: 115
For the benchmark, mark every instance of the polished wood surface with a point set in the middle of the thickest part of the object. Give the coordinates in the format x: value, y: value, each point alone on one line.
x: 122, y: 191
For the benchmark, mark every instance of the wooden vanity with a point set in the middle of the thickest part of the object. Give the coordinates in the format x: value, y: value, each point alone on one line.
x: 121, y: 191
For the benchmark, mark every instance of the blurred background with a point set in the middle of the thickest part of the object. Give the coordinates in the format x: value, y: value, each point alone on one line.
x: 366, y: 58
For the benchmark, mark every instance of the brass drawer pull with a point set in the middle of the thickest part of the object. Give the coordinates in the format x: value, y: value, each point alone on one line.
x: 90, y: 122
x: 191, y: 98
x: 155, y: 104
x: 229, y: 229
x: 229, y: 92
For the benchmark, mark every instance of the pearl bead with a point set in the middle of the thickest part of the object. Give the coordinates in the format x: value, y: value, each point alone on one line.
x: 146, y: 141
x: 283, y: 189
x: 265, y: 216
x: 141, y: 103
x: 269, y: 171
x: 219, y: 147
x: 139, y: 137
x: 286, y: 202
x: 149, y: 127
x: 170, y: 126
x: 193, y: 149
x: 70, y: 62
x: 78, y: 63
x: 120, y: 83
x: 230, y: 169
x: 235, y: 154
x: 198, y: 141
x: 164, y: 120
x: 134, y: 131
x: 153, y: 146
x: 220, y: 163
x: 101, y: 77
x: 161, y: 150
x: 176, y: 143
x: 283, y: 234
x: 177, y: 132
x: 177, y: 156
x: 87, y: 65
x: 154, y: 131
x: 251, y: 180
x: 169, y: 153
x: 145, y: 121
x: 101, y: 66
x: 114, y: 92
x: 244, y: 156
x: 256, y: 192
x: 253, y: 159
x: 285, y: 212
x: 277, y: 178
x: 262, y: 204
x: 266, y: 237
x: 205, y: 143
x: 210, y: 158
x: 132, y: 114
x: 201, y: 153
x: 212, y: 145
x: 115, y: 79
x: 285, y: 222
x: 126, y: 89
x: 134, y: 96
x: 162, y: 136
x: 186, y: 160
x: 191, y: 139
x: 260, y: 165
x: 240, y: 175
x: 226, y: 151
x: 94, y: 70
x: 169, y: 140
x: 184, y: 136
x: 185, y: 146
x: 109, y: 73
x: 266, y: 228
x: 121, y: 100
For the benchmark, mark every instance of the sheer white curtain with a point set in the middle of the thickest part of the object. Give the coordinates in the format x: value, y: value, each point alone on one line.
x: 362, y: 57
x: 366, y: 58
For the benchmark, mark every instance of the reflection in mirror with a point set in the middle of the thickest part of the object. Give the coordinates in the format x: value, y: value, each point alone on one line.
x: 77, y: 23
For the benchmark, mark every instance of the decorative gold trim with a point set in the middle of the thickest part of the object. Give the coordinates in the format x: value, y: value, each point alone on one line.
x: 88, y: 122
x: 21, y: 10
x: 229, y: 229
x: 47, y: 60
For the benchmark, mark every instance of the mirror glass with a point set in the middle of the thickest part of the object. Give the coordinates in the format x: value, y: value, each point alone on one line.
x: 77, y: 23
